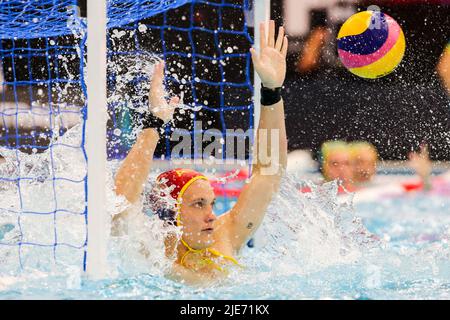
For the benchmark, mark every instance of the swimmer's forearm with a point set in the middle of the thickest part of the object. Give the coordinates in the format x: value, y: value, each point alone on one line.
x: 272, y: 118
x: 248, y: 213
x: 133, y: 173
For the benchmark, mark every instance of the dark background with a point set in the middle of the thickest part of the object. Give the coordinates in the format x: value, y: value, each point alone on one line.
x: 396, y: 113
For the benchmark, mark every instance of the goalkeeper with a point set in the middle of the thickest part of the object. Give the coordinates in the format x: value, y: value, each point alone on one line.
x: 184, y: 197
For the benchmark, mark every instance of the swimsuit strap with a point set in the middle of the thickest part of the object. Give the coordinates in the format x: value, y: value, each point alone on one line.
x: 207, y: 260
x: 218, y: 254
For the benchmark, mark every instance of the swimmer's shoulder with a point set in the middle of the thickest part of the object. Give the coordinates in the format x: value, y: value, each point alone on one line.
x: 225, y: 225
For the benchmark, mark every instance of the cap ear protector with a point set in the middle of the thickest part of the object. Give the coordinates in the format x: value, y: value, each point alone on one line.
x: 166, y: 214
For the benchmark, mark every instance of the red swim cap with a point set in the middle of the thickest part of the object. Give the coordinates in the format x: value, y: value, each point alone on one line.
x: 179, y: 180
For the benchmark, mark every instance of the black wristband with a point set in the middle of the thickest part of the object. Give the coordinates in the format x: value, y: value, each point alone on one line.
x: 151, y: 121
x: 270, y: 96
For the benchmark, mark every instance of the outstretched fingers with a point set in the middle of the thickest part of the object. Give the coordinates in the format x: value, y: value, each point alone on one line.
x: 280, y: 39
x: 271, y: 38
x: 158, y: 76
x: 284, y: 49
x: 255, y: 57
x: 159, y: 71
x: 262, y: 35
x: 157, y: 92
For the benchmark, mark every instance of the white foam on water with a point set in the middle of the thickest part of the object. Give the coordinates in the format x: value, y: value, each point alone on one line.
x: 301, y: 231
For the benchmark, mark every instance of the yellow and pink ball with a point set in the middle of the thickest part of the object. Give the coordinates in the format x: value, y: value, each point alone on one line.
x: 371, y: 44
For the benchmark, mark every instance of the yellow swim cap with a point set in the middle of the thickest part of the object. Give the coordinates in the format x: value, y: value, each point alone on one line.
x: 362, y: 146
x: 331, y: 146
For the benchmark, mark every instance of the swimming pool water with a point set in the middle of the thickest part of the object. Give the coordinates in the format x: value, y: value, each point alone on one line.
x: 411, y: 262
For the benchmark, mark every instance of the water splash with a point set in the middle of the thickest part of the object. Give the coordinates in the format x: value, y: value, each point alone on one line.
x: 310, y: 245
x: 315, y: 232
x: 305, y: 232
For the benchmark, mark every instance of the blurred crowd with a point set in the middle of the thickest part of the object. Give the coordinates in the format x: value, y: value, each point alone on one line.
x: 324, y: 101
x: 354, y: 165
